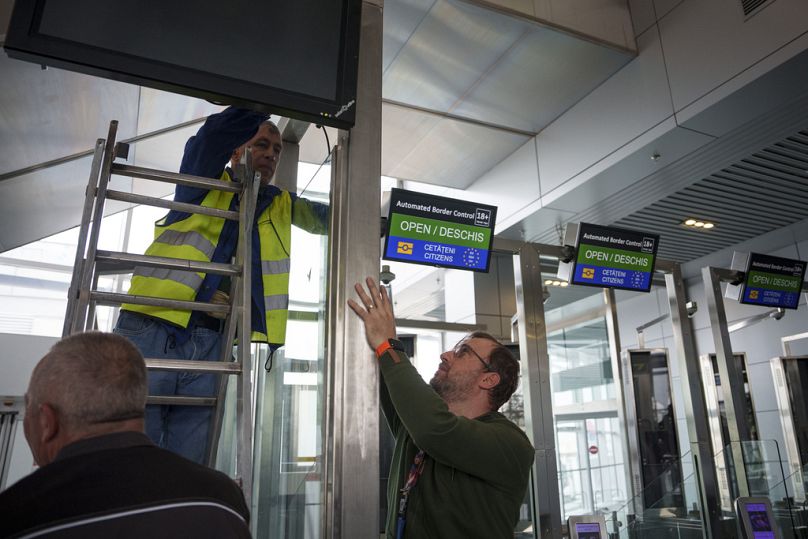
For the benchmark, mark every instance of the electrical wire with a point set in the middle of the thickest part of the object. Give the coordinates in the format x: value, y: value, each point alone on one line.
x: 329, y: 151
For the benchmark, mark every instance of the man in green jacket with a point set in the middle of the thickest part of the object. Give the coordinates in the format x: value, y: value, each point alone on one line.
x: 460, y: 469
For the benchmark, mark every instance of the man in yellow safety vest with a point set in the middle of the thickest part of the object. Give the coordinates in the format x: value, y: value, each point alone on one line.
x: 165, y: 333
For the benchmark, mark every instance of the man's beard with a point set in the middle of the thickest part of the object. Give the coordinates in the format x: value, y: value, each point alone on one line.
x: 453, y: 390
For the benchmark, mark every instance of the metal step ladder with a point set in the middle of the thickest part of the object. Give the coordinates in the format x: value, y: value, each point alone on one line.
x: 91, y: 263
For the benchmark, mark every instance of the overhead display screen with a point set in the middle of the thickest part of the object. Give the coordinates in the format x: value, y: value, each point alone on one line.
x: 439, y: 231
x: 611, y: 257
x: 760, y: 520
x: 297, y: 59
x: 588, y: 530
x: 773, y: 281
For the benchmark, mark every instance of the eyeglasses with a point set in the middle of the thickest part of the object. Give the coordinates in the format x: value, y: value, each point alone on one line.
x: 463, y: 349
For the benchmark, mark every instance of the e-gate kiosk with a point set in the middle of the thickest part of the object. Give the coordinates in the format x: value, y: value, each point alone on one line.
x: 610, y: 257
x: 791, y: 389
x: 755, y: 518
x: 774, y: 282
x: 653, y: 439
x: 587, y: 527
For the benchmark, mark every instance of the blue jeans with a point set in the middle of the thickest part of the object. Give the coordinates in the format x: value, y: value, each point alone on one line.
x: 182, y: 429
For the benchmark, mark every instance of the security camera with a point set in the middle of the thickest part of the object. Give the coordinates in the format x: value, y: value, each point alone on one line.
x: 691, y: 307
x: 386, y: 276
x: 778, y: 314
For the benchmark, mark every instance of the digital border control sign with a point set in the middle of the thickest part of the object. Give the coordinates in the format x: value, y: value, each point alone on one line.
x: 439, y: 231
x: 615, y: 258
x: 773, y: 281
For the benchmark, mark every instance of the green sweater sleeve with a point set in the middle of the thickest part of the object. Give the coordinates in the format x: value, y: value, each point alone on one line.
x: 495, y: 451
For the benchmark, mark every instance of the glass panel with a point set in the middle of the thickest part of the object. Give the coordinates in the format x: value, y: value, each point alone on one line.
x: 661, y: 467
x: 639, y: 519
x: 589, y: 440
x: 750, y: 409
x: 765, y: 467
x: 287, y: 497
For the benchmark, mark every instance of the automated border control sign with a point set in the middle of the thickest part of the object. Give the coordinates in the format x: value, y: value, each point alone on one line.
x: 773, y: 281
x: 439, y: 231
x: 615, y: 258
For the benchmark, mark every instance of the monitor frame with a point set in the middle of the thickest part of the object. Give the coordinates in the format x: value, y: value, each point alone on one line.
x: 24, y: 42
x: 586, y: 519
x: 579, y: 237
x: 745, y: 283
x: 745, y: 523
x: 388, y: 223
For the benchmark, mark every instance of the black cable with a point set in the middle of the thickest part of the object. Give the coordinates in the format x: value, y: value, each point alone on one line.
x: 325, y: 161
x: 270, y: 357
x: 327, y: 143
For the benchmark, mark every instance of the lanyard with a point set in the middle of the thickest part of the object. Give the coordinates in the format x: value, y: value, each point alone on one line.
x: 416, y: 470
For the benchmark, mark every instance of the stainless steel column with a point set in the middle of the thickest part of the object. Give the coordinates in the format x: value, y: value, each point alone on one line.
x: 698, y: 429
x: 351, y: 445
x: 731, y: 376
x: 535, y: 367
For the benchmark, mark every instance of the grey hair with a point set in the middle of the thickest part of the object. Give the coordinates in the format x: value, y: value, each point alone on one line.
x: 91, y: 378
x: 273, y: 127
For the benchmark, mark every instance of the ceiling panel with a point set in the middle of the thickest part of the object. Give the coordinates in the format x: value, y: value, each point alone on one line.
x: 451, y: 49
x: 543, y: 75
x: 755, y: 195
x: 401, y: 18
x: 430, y: 149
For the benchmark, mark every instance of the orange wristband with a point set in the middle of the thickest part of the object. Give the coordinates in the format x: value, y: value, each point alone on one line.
x: 382, y: 348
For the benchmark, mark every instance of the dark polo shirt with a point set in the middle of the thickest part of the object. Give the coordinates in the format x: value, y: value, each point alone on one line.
x: 121, y: 485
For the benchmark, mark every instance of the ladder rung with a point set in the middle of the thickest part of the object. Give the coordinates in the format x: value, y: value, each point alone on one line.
x: 181, y: 179
x: 114, y: 298
x: 180, y: 400
x: 118, y: 262
x: 170, y: 204
x: 181, y: 365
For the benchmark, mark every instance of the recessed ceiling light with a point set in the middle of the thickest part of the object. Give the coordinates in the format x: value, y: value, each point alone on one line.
x: 695, y: 223
x: 563, y: 284
x: 548, y: 281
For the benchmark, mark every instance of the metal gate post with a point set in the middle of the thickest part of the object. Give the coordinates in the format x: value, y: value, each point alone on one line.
x: 731, y: 377
x: 351, y: 445
x: 538, y: 398
x: 698, y: 429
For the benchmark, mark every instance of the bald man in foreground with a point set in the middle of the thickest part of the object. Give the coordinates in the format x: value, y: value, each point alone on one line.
x: 100, y: 475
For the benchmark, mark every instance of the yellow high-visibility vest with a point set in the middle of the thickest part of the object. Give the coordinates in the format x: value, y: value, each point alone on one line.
x: 196, y: 238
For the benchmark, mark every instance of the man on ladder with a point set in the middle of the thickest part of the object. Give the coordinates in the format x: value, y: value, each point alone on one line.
x: 164, y: 333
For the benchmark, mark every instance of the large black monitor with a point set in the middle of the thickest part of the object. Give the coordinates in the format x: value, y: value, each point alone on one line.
x: 297, y: 59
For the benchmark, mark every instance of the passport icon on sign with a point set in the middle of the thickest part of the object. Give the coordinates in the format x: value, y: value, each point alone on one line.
x: 404, y: 248
x: 753, y: 294
x: 588, y: 273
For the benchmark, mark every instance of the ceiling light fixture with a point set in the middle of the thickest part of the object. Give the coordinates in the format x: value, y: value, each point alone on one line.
x: 697, y: 223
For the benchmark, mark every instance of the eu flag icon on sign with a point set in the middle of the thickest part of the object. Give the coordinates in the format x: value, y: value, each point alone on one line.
x: 588, y: 273
x: 404, y: 248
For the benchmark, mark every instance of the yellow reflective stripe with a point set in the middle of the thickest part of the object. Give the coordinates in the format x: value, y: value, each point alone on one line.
x: 191, y: 238
x: 275, y: 267
x: 187, y: 278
